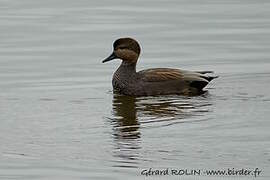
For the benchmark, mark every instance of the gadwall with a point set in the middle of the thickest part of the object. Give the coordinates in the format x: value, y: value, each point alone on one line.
x: 149, y: 82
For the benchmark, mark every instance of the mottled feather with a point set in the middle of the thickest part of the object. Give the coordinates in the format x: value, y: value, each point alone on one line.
x: 196, y: 79
x: 165, y: 74
x: 160, y: 74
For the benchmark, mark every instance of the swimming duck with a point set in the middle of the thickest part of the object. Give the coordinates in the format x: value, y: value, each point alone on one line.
x: 150, y: 82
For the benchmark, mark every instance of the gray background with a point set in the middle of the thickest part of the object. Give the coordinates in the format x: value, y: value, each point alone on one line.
x: 60, y: 120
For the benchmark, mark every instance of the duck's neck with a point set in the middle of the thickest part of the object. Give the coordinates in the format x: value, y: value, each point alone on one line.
x: 127, y: 68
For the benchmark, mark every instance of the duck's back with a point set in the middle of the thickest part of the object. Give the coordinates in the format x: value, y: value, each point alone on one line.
x: 172, y: 81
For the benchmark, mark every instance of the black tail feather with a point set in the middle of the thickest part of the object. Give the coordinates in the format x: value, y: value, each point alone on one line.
x: 198, y: 84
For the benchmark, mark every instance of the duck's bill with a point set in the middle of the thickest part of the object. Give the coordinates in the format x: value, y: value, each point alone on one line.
x: 111, y: 57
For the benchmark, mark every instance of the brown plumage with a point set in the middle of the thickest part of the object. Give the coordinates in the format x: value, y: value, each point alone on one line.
x: 158, y: 81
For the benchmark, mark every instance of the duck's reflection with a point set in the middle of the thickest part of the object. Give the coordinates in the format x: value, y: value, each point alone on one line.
x: 125, y: 117
x: 125, y: 131
x: 131, y: 113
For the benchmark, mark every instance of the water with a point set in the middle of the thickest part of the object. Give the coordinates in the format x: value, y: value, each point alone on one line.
x: 60, y: 120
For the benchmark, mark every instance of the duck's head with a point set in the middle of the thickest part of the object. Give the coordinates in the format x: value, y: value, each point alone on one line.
x: 126, y: 49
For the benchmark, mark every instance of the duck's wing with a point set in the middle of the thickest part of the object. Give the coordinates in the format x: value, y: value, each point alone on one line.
x: 160, y: 74
x: 195, y: 79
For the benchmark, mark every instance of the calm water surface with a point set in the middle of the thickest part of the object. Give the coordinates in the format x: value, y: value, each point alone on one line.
x: 60, y: 120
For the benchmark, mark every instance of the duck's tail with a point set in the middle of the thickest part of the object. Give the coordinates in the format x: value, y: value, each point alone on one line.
x: 201, y: 79
x: 208, y: 75
x: 204, y: 72
x: 210, y: 78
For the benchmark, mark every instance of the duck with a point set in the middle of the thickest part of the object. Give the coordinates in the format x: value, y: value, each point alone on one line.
x: 155, y: 81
